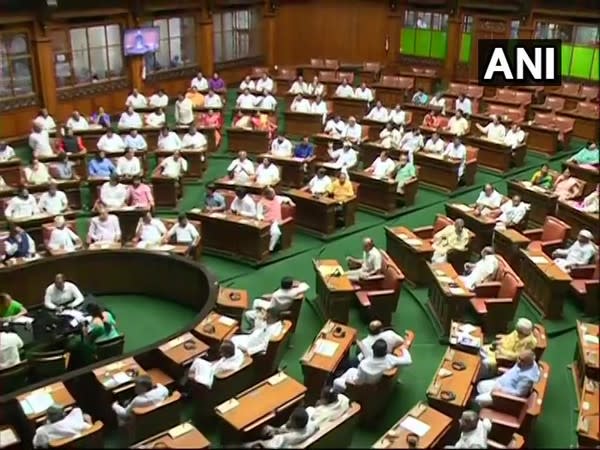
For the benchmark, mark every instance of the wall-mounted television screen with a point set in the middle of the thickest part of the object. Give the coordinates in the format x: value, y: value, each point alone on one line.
x: 139, y: 41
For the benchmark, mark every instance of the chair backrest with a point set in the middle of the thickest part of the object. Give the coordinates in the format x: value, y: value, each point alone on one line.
x: 570, y: 88
x: 589, y: 92
x: 372, y: 66
x: 91, y: 438
x: 348, y: 76
x: 539, y: 331
x: 564, y: 124
x: 328, y: 76
x: 257, y: 72
x: 554, y: 103
x: 48, y: 364
x: 286, y: 72
x: 152, y: 419
x: 510, y: 286
x: 441, y: 221
x: 110, y: 347
x: 318, y: 62
x: 14, y: 377
x: 523, y: 97
x: 505, y: 94
x: 554, y: 229
x: 474, y: 92
x: 588, y: 108
x: 472, y: 153
x: 543, y: 118
x: 456, y: 88
x: 332, y: 63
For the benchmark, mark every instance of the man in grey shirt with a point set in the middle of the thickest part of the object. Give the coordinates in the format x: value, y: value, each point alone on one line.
x: 63, y: 167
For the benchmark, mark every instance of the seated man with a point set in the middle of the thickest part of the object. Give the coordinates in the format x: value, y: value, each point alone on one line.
x: 341, y: 190
x: 184, y: 110
x: 100, y: 166
x: 319, y: 184
x: 156, y: 119
x: 243, y: 204
x: 266, y: 101
x: 146, y: 394
x: 70, y: 143
x: 379, y: 113
x: 60, y: 425
x: 214, y: 201
x: 136, y: 100
x: 331, y: 406
x: 241, y: 169
x: 300, y: 105
x: 265, y: 83
x: 62, y: 294
x: 363, y: 92
x: 159, y: 99
x: 581, y: 252
x: 21, y: 206
x: 139, y: 194
x: 10, y: 309
x: 542, y: 178
x: 296, y: 430
x: 344, y: 90
x: 377, y: 360
x: 174, y: 166
x: 104, y: 228
x: 183, y: 232
x: 129, y: 165
x: 463, y: 104
x: 266, y: 327
x: 299, y: 86
x: 247, y: 83
x: 508, y: 346
x: 512, y: 213
x: 150, y: 231
x: 451, y: 237
x: 515, y: 136
x: 77, y: 122
x: 53, y: 201
x: 390, y: 136
x: 281, y: 147
x: 370, y: 264
x: 412, y: 141
x: 457, y: 124
x: 111, y: 142
x: 200, y: 82
x: 481, y: 271
x: 304, y: 149
x: 168, y: 141
x: 62, y: 238
x: 6, y: 152
x: 280, y: 300
x: 405, y: 172
x: 316, y: 87
x: 37, y: 173
x: 590, y: 154
x: 434, y: 144
x: 63, y: 168
x: 18, y: 244
x: 230, y: 359
x: 335, y: 127
x: 194, y: 140
x: 195, y: 97
x: 518, y: 380
x: 488, y: 201
x: 457, y: 151
x: 353, y: 132
x: 269, y: 210
x: 432, y: 120
x: 343, y: 158
x: 39, y: 141
x: 267, y: 173
x: 113, y: 194
x: 398, y: 116
x: 494, y: 130
x: 246, y: 100
x: 590, y: 203
x: 383, y: 166
x: 130, y: 119
x: 420, y: 97
x: 473, y: 431
x: 135, y: 140
x: 10, y: 345
x: 319, y: 106
x: 46, y: 120
x: 376, y: 332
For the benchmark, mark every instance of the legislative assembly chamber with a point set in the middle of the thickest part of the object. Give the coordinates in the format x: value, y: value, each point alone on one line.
x: 297, y: 224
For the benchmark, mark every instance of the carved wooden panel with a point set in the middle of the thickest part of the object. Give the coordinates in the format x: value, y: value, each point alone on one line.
x: 11, y: 104
x: 90, y: 90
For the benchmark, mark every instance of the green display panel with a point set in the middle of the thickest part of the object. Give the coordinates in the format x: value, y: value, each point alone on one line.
x: 439, y: 44
x: 422, y: 43
x: 581, y: 62
x: 595, y: 75
x: 465, y: 48
x: 407, y: 41
x: 566, y: 53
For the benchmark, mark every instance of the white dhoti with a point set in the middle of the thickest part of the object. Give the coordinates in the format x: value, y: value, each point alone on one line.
x: 257, y: 304
x: 356, y: 274
x: 484, y: 391
x: 440, y: 255
x: 349, y: 375
x: 275, y: 233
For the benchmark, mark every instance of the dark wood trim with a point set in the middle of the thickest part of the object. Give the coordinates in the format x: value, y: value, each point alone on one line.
x: 91, y: 89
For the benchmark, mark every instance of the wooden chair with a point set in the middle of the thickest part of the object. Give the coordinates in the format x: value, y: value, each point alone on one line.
x: 47, y: 229
x: 517, y: 441
x: 585, y: 287
x: 541, y: 343
x: 90, y: 438
x: 149, y: 420
x: 166, y: 190
x: 15, y: 377
x: 109, y: 348
x: 470, y: 165
x: 337, y: 433
x: 196, y: 250
x: 48, y: 364
x: 551, y: 236
x: 267, y: 363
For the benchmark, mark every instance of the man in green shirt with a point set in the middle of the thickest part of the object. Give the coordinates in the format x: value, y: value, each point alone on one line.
x: 587, y: 155
x: 404, y: 172
x: 9, y: 308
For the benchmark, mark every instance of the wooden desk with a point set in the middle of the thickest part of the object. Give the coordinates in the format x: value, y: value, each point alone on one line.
x: 251, y: 141
x: 508, y: 244
x: 448, y: 297
x: 165, y: 190
x: 232, y: 302
x: 248, y: 411
x: 317, y: 366
x: 588, y: 430
x: 496, y: 156
x: 436, y: 171
x: 321, y: 141
x: 196, y: 161
x: 439, y: 425
x: 252, y: 235
x: 375, y: 194
x: 374, y: 128
x: 302, y: 124
x: 11, y: 440
x: 231, y: 184
x: 391, y: 95
x: 585, y: 126
x: 459, y: 383
x: 418, y: 112
x: 129, y: 218
x: 33, y: 224
x: 424, y: 80
x: 317, y: 214
x: 347, y: 107
x: 291, y: 170
x: 589, y: 174
x: 59, y: 393
x: 458, y: 328
x: 208, y: 132
x: 541, y: 139
x: 11, y: 171
x: 370, y: 151
x: 546, y: 284
x: 578, y: 220
x: 214, y: 329
x: 410, y: 253
x: 482, y: 227
x: 587, y: 355
x: 542, y: 201
x: 180, y: 352
x: 192, y: 438
x: 334, y: 293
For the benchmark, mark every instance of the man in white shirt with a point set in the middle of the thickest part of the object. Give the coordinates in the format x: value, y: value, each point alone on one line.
x: 156, y: 119
x: 439, y: 101
x: 581, y: 252
x: 463, y: 104
x: 194, y: 140
x: 267, y: 101
x: 379, y: 113
x: 246, y: 100
x: 174, y: 166
x: 292, y: 434
x: 130, y: 119
x: 344, y: 90
x: 54, y: 201
x: 267, y: 173
x: 299, y: 87
x: 212, y: 100
x: 319, y: 184
x: 37, y: 173
x: 39, y: 141
x: 247, y: 83
x: 21, y: 206
x: 184, y: 110
x: 168, y: 140
x: 434, y: 144
x: 489, y: 200
x: 515, y: 136
x: 6, y: 152
x: 383, y: 166
x: 316, y: 87
x: 203, y: 371
x: 398, y: 115
x: 46, y: 120
x: 377, y: 332
x: 110, y: 142
x: 183, y: 232
x: 335, y: 127
x: 512, y: 213
x: 481, y: 271
x: 300, y: 104
x: 266, y: 327
x: 457, y: 124
x: 412, y: 141
x: 136, y: 100
x: 146, y: 394
x: 319, y: 107
x: 135, y: 141
x: 494, y: 130
x: 343, y: 158
x: 199, y: 82
x: 62, y: 238
x: 370, y: 264
x: 364, y: 93
x: 390, y: 136
x: 281, y: 147
x: 473, y: 431
x: 241, y: 169
x: 77, y: 122
x: 159, y: 100
x: 113, y: 194
x: 265, y: 83
x: 243, y: 204
x: 457, y: 150
x: 353, y: 131
x: 59, y: 425
x: 10, y: 344
x: 104, y: 228
x: 129, y: 165
x: 331, y: 406
x: 62, y: 294
x: 150, y: 231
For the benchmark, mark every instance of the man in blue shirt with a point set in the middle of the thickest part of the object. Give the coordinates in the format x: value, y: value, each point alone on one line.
x: 518, y: 380
x: 214, y: 202
x: 304, y: 149
x: 100, y: 166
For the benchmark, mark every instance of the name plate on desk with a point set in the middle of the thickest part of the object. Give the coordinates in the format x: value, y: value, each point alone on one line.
x: 180, y: 430
x: 415, y: 426
x: 227, y: 406
x: 277, y: 378
x: 538, y: 259
x: 36, y: 403
x: 227, y: 321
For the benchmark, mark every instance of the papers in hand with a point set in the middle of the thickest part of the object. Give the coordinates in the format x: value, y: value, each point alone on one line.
x: 326, y: 347
x: 37, y: 403
x: 180, y: 430
x: 8, y: 437
x: 204, y: 372
x: 227, y: 406
x: 415, y: 426
x: 78, y: 316
x: 277, y: 378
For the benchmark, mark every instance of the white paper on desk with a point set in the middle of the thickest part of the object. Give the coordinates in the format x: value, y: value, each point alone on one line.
x: 121, y: 378
x: 39, y: 402
x: 590, y: 339
x: 218, y: 215
x: 415, y: 426
x: 227, y: 321
x: 327, y: 271
x: 204, y: 372
x: 445, y: 279
x: 196, y: 210
x: 539, y: 260
x: 227, y: 406
x: 527, y: 184
x: 23, y: 320
x: 277, y: 378
x: 7, y: 437
x: 457, y: 291
x: 403, y: 236
x: 78, y: 316
x: 462, y: 207
x: 180, y: 430
x: 165, y: 248
x: 467, y: 328
x: 326, y: 347
x: 414, y: 242
x: 469, y: 341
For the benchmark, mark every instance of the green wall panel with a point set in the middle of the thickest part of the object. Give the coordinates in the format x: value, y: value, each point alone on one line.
x: 465, y: 48
x: 566, y: 53
x: 422, y: 43
x: 407, y: 41
x: 439, y: 44
x: 581, y: 63
x: 595, y: 75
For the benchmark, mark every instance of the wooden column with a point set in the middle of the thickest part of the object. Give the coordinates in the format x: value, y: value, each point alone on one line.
x: 135, y: 63
x: 269, y: 34
x: 44, y: 59
x: 205, y: 44
x: 394, y: 28
x: 453, y: 40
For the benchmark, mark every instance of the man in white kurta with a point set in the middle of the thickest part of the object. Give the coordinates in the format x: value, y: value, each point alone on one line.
x: 281, y: 147
x: 266, y: 327
x: 316, y: 87
x: 398, y: 115
x: 46, y: 120
x: 412, y: 141
x: 267, y: 173
x: 494, y: 130
x: 53, y: 201
x: 343, y: 158
x: 243, y: 204
x: 331, y: 406
x: 230, y: 359
x: 266, y: 101
x: 37, y: 173
x: 150, y: 231
x: 379, y: 113
x: 319, y: 107
x: 111, y: 142
x: 319, y: 184
x: 377, y: 332
x: 247, y: 83
x: 159, y: 100
x: 130, y: 119
x: 463, y: 104
x: 174, y: 166
x: 21, y: 206
x: 77, y: 122
x: 168, y: 140
x: 113, y: 194
x: 6, y: 152
x: 62, y: 294
x: 299, y: 86
x: 39, y: 141
x: 184, y: 110
x: 457, y: 150
x: 62, y: 238
x: 390, y: 136
x: 156, y: 119
x: 246, y: 100
x: 184, y: 232
x: 473, y: 431
x: 353, y: 131
x: 370, y: 264
x: 59, y: 425
x: 434, y: 144
x: 457, y: 124
x: 300, y: 104
x: 194, y: 140
x: 335, y: 127
x: 241, y: 168
x: 383, y: 166
x: 515, y: 136
x: 512, y: 213
x: 265, y: 83
x: 489, y: 200
x: 212, y: 100
x: 581, y: 252
x: 104, y: 228
x: 10, y: 344
x: 147, y: 394
x: 136, y: 100
x: 344, y: 90
x: 364, y: 93
x: 199, y: 82
x: 481, y: 271
x: 135, y: 141
x: 129, y: 165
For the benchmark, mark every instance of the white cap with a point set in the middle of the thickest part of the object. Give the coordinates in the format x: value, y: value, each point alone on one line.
x: 586, y: 234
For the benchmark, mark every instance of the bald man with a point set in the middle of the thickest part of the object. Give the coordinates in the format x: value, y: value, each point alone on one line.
x: 481, y: 271
x: 146, y: 394
x: 62, y: 294
x: 473, y: 431
x: 60, y: 425
x: 370, y: 264
x: 518, y: 380
x: 453, y: 237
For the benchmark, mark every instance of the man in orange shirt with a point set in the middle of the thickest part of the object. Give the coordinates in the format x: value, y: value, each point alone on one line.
x: 432, y: 120
x: 269, y: 210
x: 196, y: 97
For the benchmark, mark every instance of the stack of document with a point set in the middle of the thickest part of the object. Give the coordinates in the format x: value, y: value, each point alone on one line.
x: 37, y: 403
x: 116, y: 379
x: 326, y: 347
x: 415, y: 426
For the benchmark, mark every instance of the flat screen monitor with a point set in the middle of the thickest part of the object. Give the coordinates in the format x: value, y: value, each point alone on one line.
x: 139, y: 41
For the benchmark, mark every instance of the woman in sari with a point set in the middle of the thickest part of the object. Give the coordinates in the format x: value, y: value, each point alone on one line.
x: 542, y: 178
x: 212, y: 119
x: 241, y: 120
x: 567, y: 187
x: 590, y: 204
x: 265, y: 122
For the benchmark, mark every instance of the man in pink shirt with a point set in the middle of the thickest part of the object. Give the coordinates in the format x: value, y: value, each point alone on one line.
x: 269, y: 210
x: 104, y: 227
x: 140, y: 194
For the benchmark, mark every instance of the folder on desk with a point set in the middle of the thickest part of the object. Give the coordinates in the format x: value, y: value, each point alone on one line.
x: 37, y: 403
x: 326, y: 347
x: 328, y: 271
x: 415, y: 426
x: 539, y: 260
x: 7, y: 437
x: 180, y: 430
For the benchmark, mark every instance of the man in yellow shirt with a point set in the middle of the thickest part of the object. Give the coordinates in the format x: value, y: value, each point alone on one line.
x: 196, y: 98
x: 508, y: 346
x: 341, y: 190
x: 451, y: 237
